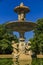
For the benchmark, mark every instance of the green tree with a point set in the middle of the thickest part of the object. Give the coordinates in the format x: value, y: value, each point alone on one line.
x: 37, y: 40
x: 6, y: 37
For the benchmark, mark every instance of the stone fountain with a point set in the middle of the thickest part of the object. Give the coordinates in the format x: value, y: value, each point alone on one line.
x: 21, y: 26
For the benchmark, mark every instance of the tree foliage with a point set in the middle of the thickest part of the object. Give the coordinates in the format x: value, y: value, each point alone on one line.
x: 6, y: 37
x: 37, y: 40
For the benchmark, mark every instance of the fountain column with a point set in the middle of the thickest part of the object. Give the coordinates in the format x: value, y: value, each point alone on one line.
x: 22, y: 42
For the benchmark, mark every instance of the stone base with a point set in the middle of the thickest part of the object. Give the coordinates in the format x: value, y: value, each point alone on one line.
x: 25, y: 57
x: 23, y: 60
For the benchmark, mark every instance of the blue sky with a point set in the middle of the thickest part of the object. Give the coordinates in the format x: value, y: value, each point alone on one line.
x: 7, y: 13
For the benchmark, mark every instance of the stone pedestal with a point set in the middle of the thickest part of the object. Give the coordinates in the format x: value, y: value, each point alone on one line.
x: 22, y: 45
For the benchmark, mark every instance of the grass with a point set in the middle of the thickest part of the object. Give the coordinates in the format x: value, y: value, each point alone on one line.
x: 5, y: 61
x: 37, y: 61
